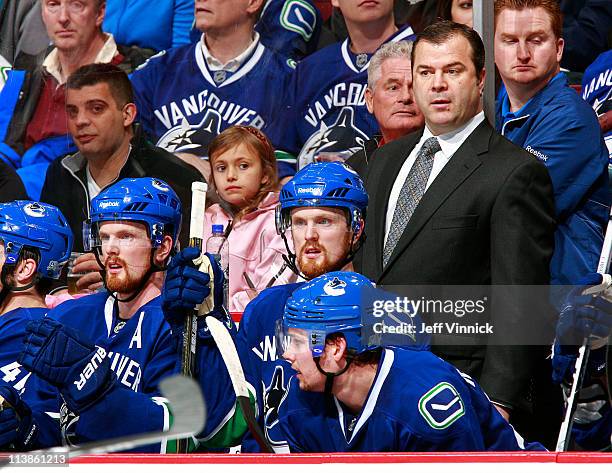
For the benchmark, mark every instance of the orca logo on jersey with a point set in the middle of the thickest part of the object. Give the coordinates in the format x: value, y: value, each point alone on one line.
x: 335, y: 287
x: 273, y: 396
x: 300, y: 17
x: 441, y: 406
x: 192, y: 138
x: 91, y: 367
x: 342, y: 138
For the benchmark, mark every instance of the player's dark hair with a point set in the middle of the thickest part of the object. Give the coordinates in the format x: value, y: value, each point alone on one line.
x: 444, y: 30
x: 92, y: 74
x: 42, y: 286
x: 370, y: 357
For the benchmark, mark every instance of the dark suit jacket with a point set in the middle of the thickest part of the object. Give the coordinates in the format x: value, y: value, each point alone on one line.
x: 487, y: 219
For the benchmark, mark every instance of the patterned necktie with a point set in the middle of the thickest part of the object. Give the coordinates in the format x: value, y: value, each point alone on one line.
x: 410, y: 195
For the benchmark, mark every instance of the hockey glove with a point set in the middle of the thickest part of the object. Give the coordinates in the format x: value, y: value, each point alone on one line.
x: 584, y: 315
x: 17, y: 428
x: 59, y: 355
x: 185, y: 287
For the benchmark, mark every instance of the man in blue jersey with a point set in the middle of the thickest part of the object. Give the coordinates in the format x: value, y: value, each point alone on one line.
x: 321, y: 212
x: 106, y: 353
x: 329, y: 115
x: 538, y: 111
x: 187, y: 95
x: 350, y: 394
x: 35, y: 243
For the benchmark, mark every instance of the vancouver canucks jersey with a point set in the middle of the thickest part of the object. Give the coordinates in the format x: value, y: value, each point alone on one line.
x: 12, y: 331
x: 263, y: 368
x: 417, y: 403
x: 597, y: 89
x: 329, y: 113
x: 182, y: 104
x: 290, y: 27
x: 141, y: 353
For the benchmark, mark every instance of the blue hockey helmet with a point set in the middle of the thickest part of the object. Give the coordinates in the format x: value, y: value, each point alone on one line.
x: 323, y: 185
x: 24, y: 223
x: 145, y: 199
x: 331, y: 303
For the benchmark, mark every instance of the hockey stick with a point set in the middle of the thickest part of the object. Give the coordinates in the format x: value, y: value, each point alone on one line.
x: 189, y: 417
x: 196, y: 237
x: 565, y: 432
x: 228, y: 351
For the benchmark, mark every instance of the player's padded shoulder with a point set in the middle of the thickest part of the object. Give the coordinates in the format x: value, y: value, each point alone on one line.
x: 269, y: 304
x: 435, y: 401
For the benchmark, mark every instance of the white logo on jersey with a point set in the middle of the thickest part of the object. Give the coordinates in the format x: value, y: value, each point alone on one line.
x: 336, y: 97
x: 300, y: 17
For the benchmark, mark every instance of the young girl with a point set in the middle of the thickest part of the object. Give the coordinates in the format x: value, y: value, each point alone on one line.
x: 244, y: 175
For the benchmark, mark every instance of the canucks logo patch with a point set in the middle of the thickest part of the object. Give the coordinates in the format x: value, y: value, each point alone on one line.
x: 273, y: 397
x: 342, y: 137
x: 335, y: 287
x: 187, y: 138
x: 34, y: 210
x: 300, y: 17
x: 441, y: 406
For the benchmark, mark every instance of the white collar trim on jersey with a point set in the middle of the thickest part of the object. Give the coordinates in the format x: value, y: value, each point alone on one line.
x: 366, y: 412
x: 400, y: 35
x: 109, y: 308
x: 257, y: 49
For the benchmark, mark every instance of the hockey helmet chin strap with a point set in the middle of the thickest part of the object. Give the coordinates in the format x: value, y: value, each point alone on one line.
x: 153, y: 268
x: 329, y: 377
x: 7, y: 288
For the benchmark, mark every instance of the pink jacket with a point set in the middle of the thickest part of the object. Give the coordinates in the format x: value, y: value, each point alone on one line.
x: 255, y: 249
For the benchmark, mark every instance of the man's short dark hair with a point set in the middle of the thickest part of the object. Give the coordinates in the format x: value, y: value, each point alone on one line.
x: 442, y: 31
x: 93, y: 74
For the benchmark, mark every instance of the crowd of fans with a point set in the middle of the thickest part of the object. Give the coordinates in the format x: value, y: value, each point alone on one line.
x: 244, y: 94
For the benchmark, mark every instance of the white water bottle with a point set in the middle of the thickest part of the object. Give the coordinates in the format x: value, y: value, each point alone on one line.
x: 217, y: 245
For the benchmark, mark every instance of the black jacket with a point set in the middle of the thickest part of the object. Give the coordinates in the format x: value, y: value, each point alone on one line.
x: 66, y: 183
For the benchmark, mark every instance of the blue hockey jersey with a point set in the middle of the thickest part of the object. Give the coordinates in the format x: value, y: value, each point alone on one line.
x: 327, y: 93
x: 182, y: 104
x: 597, y: 90
x: 12, y: 331
x: 264, y: 370
x: 417, y: 402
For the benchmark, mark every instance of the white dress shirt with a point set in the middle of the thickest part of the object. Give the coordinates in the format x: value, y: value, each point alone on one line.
x: 449, y: 142
x: 233, y: 64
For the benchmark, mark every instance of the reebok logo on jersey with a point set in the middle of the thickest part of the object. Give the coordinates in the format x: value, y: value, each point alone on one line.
x: 90, y: 368
x: 541, y: 156
x: 441, y: 406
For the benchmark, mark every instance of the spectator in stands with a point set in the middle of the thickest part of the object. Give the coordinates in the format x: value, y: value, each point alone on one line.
x: 23, y: 39
x: 156, y: 26
x: 33, y: 131
x: 459, y: 11
x: 100, y: 112
x: 538, y: 111
x: 190, y: 94
x: 329, y: 111
x: 244, y: 175
x: 587, y: 26
x: 389, y: 97
x: 11, y: 187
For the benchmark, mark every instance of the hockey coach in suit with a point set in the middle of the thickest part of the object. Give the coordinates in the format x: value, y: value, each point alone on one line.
x: 457, y: 204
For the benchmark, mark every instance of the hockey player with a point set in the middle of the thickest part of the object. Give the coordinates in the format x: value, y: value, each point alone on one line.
x: 351, y: 395
x: 587, y: 316
x: 328, y: 87
x: 35, y: 243
x: 106, y: 353
x: 321, y: 212
x: 187, y: 95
